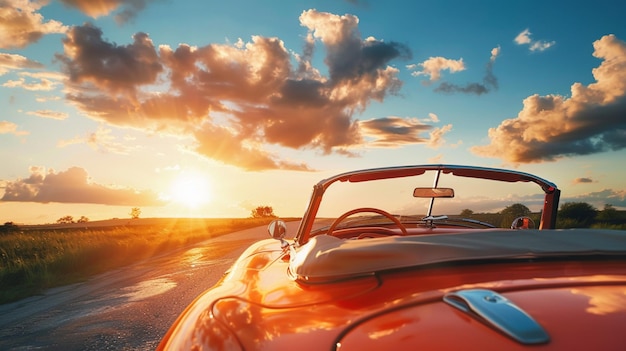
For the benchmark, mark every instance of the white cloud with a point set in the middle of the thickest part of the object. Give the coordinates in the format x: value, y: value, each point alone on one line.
x: 591, y: 120
x: 524, y: 38
x: 434, y: 65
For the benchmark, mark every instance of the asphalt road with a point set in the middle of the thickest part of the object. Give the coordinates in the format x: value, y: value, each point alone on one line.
x: 127, y: 309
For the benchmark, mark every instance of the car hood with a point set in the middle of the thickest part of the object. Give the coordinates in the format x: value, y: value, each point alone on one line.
x: 580, y: 314
x: 580, y: 302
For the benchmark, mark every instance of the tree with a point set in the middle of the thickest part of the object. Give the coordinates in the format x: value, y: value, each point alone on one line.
x: 82, y: 219
x: 466, y: 213
x: 135, y: 212
x: 577, y: 214
x: 608, y: 214
x: 8, y: 227
x: 65, y: 220
x: 509, y: 214
x: 516, y: 210
x: 263, y: 212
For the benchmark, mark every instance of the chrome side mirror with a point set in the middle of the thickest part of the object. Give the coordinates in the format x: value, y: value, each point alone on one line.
x: 277, y: 229
x: 523, y: 222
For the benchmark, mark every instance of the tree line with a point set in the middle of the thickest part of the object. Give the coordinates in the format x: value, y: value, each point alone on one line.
x: 569, y: 215
x: 135, y: 212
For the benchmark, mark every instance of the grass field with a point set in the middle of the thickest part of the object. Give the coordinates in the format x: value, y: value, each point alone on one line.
x: 35, y: 258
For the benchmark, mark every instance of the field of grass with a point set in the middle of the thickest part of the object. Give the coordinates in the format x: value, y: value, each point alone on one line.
x: 36, y: 258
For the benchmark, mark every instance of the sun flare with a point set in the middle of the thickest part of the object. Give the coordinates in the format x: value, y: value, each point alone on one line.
x: 191, y: 190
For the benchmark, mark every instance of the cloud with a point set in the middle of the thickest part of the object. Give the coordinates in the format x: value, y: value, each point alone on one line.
x: 433, y: 117
x: 11, y: 128
x: 434, y: 65
x: 42, y: 85
x: 22, y: 25
x: 582, y: 180
x: 348, y: 56
x: 393, y: 131
x: 95, y: 9
x: 72, y: 186
x: 49, y: 114
x: 112, y: 68
x: 598, y: 199
x: 484, y: 204
x: 436, y: 136
x: 489, y: 80
x: 238, y: 97
x: 592, y: 120
x: 222, y: 144
x: 523, y: 38
x: 10, y: 62
x: 100, y: 140
x: 436, y: 159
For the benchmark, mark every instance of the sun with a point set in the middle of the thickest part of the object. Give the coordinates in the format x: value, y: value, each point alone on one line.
x: 191, y: 190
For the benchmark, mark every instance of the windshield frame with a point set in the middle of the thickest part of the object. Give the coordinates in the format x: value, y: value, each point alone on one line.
x: 548, y: 214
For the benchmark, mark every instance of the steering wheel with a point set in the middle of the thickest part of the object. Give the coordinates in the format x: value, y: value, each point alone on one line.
x: 331, y: 229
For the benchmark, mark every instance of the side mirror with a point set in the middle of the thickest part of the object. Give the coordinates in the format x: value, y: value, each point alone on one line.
x: 523, y: 222
x: 277, y: 229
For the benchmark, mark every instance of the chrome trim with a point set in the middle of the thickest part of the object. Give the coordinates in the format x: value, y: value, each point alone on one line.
x: 500, y: 313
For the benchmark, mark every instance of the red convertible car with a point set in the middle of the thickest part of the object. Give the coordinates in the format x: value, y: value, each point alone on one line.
x: 426, y: 257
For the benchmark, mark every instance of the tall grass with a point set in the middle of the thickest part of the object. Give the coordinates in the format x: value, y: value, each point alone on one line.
x: 35, y: 259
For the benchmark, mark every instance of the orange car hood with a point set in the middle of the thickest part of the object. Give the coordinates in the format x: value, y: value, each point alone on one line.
x: 586, y: 315
x: 258, y: 306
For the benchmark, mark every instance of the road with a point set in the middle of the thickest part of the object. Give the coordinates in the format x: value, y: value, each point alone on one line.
x: 127, y: 309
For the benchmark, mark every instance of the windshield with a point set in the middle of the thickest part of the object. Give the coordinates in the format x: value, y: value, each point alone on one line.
x: 467, y: 201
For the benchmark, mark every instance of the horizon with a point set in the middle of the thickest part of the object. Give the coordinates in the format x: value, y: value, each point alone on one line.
x: 222, y: 110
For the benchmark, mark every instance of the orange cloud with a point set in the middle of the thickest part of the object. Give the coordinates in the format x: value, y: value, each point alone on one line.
x: 223, y: 145
x: 49, y: 114
x: 436, y: 136
x: 434, y: 65
x: 394, y: 131
x: 41, y: 85
x: 97, y: 8
x: 72, y: 186
x: 12, y: 61
x: 237, y: 99
x: 550, y: 127
x: 11, y: 128
x: 22, y: 25
x: 100, y: 140
x: 94, y: 8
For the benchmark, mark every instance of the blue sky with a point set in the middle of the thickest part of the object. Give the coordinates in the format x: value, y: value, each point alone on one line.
x: 205, y: 108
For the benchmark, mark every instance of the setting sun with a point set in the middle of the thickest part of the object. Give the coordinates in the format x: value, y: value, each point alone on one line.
x: 191, y: 190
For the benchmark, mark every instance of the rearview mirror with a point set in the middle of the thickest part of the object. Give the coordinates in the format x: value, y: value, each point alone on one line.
x: 433, y: 192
